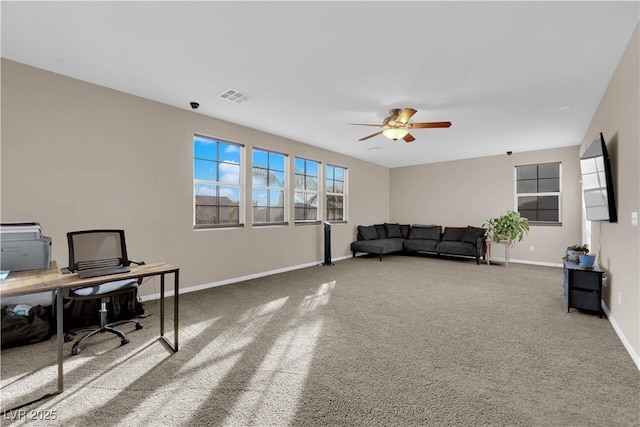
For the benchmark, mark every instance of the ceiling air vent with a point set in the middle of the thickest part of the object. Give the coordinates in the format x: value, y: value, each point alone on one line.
x: 234, y: 96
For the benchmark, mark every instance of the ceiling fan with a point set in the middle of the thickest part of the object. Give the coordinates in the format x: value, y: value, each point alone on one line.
x: 397, y: 125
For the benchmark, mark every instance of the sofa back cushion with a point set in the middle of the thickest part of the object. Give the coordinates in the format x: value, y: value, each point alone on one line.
x: 382, y: 231
x: 425, y: 233
x: 454, y: 234
x: 404, y: 230
x: 393, y: 230
x: 472, y: 234
x: 367, y: 232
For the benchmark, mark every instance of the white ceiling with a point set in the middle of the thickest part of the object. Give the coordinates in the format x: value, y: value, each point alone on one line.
x: 516, y: 76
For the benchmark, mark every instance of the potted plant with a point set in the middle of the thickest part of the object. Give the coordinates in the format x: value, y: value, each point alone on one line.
x: 510, y: 227
x: 573, y: 252
x: 586, y: 260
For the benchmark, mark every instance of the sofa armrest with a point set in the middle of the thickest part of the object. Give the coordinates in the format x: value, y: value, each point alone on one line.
x: 481, y: 246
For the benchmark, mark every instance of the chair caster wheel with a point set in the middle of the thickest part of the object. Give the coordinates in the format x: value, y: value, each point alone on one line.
x: 68, y: 337
x: 75, y: 351
x: 125, y: 341
x: 138, y: 326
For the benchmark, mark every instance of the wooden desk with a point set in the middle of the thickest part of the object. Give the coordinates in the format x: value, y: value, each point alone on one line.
x: 26, y: 282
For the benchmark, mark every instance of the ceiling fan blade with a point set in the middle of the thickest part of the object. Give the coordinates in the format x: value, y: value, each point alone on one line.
x: 430, y: 125
x: 405, y: 115
x: 408, y: 138
x: 370, y: 136
x: 364, y: 124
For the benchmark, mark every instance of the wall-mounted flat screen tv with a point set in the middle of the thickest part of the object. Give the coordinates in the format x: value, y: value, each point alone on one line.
x: 597, y: 182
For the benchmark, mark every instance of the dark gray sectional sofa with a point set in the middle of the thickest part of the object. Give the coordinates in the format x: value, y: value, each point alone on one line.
x: 382, y: 239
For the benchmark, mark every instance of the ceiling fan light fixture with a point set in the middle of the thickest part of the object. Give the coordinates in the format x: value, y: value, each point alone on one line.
x: 397, y: 125
x: 395, y: 133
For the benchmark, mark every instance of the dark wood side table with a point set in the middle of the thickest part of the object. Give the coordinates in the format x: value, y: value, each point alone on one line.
x: 582, y: 287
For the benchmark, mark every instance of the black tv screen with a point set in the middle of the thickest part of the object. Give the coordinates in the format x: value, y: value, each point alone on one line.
x: 597, y: 182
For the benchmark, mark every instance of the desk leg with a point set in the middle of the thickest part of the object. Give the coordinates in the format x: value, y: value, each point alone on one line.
x: 60, y: 338
x: 506, y: 253
x: 176, y: 288
x: 176, y: 294
x: 162, y: 305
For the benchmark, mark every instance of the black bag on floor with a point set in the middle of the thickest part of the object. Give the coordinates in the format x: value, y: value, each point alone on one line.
x: 22, y: 330
x: 82, y: 313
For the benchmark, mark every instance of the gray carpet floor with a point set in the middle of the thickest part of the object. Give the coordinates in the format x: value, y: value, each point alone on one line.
x: 410, y: 341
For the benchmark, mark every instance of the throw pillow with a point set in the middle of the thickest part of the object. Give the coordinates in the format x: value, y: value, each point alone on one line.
x: 425, y: 233
x: 472, y: 234
x: 453, y: 234
x: 382, y: 231
x: 393, y: 230
x: 404, y: 230
x: 368, y: 232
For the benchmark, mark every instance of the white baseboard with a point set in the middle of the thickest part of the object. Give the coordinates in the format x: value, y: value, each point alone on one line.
x: 169, y: 292
x: 634, y: 356
x: 522, y: 261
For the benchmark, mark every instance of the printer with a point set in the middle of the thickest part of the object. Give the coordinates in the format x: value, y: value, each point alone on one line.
x: 23, y: 247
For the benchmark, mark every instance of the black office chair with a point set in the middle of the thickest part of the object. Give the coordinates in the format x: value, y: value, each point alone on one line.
x: 103, y: 252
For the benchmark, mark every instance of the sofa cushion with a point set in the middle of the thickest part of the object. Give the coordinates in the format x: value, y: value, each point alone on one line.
x: 367, y: 232
x: 450, y: 247
x: 425, y: 233
x: 453, y: 234
x: 382, y: 231
x: 472, y: 234
x: 420, y: 245
x: 379, y: 246
x: 393, y: 230
x: 404, y: 230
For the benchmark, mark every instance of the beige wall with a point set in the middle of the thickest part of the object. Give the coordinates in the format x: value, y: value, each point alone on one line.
x: 468, y: 192
x: 617, y: 245
x: 80, y: 156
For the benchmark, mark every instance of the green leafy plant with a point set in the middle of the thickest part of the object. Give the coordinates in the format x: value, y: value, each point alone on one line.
x: 580, y: 248
x: 509, y: 227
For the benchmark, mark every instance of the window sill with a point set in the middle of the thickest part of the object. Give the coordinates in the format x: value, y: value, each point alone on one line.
x: 545, y: 223
x: 308, y: 222
x: 270, y: 224
x: 216, y: 226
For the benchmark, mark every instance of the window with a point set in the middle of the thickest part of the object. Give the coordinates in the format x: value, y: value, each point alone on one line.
x: 336, y: 189
x: 268, y: 187
x: 538, y: 192
x: 307, y: 189
x: 216, y: 182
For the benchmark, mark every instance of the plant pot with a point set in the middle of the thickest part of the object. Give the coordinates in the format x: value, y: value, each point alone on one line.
x: 586, y: 261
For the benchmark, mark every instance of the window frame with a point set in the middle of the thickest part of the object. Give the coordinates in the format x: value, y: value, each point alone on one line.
x: 557, y: 194
x: 343, y: 194
x: 217, y: 183
x: 318, y: 192
x: 268, y: 188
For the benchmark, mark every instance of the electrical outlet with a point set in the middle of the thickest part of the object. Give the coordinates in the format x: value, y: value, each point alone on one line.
x: 634, y: 219
x: 619, y: 298
x: 531, y: 248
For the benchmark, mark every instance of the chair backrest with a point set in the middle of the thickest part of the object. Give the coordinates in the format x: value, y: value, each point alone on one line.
x: 97, y: 249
